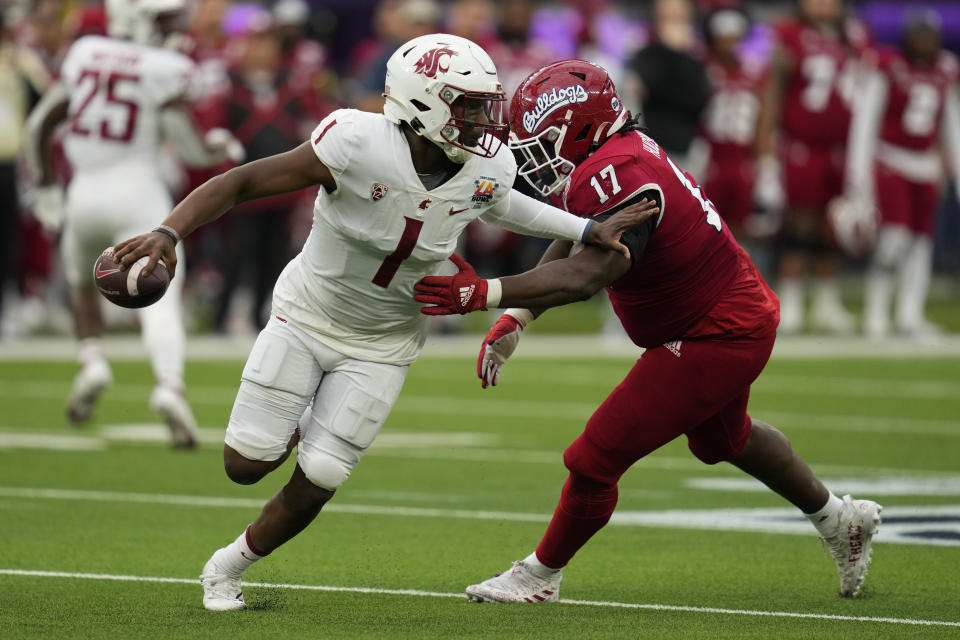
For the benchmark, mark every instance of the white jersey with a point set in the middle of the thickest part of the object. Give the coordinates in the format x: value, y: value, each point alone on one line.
x: 117, y: 90
x: 377, y: 234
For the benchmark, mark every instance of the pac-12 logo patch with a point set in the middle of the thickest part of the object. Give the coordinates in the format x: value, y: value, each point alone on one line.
x: 432, y: 61
x: 485, y: 188
x: 377, y: 191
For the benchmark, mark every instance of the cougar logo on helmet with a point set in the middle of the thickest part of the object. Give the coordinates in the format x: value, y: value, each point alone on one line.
x: 547, y: 103
x: 429, y: 62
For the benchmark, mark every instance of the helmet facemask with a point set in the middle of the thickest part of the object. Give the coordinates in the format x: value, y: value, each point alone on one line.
x: 542, y: 167
x: 560, y: 115
x: 477, y: 123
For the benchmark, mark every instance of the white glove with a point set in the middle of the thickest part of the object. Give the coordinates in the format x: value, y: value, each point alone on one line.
x: 222, y: 140
x: 768, y: 190
x: 500, y: 344
x: 48, y: 206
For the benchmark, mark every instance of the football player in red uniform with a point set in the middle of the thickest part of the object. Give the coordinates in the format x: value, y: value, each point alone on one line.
x: 813, y: 74
x: 688, y: 294
x: 908, y: 105
x: 729, y: 124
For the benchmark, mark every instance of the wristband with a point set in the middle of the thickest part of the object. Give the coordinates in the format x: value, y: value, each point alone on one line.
x: 586, y: 231
x: 170, y: 232
x: 494, y: 293
x: 522, y: 316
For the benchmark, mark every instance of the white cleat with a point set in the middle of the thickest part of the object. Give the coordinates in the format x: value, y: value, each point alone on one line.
x: 833, y: 318
x: 221, y: 591
x: 173, y: 408
x: 850, y: 542
x: 92, y: 379
x: 924, y: 332
x: 517, y: 584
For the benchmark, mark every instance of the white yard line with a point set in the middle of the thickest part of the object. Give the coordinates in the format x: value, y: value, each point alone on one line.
x: 214, y: 348
x: 439, y: 594
x: 411, y: 445
x: 924, y: 525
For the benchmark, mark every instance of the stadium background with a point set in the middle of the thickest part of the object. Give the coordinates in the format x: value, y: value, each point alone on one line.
x: 104, y: 529
x: 304, y: 59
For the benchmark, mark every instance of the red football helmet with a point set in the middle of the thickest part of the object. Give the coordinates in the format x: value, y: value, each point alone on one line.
x: 559, y: 116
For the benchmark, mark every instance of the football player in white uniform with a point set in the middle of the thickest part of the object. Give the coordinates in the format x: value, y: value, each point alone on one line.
x: 120, y: 97
x: 398, y: 188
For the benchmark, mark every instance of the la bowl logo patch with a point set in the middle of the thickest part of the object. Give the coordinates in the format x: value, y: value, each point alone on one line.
x: 377, y: 191
x: 432, y: 61
x: 547, y: 103
x: 485, y: 188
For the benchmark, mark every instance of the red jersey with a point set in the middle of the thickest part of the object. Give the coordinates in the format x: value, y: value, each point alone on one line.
x: 691, y: 263
x: 822, y: 74
x: 730, y: 120
x: 915, y: 99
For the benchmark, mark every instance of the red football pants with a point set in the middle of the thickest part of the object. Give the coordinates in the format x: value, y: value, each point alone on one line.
x: 698, y: 388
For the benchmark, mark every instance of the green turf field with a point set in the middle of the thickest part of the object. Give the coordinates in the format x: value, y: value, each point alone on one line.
x: 460, y: 483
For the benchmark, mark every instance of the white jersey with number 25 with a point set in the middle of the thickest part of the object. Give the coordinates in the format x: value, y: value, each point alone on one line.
x: 117, y: 90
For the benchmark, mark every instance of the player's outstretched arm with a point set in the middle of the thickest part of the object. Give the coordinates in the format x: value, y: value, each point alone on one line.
x: 282, y: 173
x: 195, y: 148
x: 551, y: 285
x: 503, y: 338
x: 522, y: 214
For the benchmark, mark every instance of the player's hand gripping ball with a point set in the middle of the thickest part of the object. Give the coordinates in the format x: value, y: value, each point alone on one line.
x: 131, y: 288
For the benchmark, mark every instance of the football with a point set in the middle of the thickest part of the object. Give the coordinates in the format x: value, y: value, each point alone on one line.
x: 131, y: 288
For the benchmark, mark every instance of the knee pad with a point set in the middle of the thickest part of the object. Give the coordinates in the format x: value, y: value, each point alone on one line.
x: 324, y: 470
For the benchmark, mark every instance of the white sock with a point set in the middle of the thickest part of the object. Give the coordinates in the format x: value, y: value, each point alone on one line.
x: 914, y: 282
x: 91, y: 350
x: 791, y: 304
x: 826, y: 294
x: 825, y: 520
x: 236, y: 557
x: 537, y: 568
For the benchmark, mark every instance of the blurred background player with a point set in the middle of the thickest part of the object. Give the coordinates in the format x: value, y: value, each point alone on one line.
x: 667, y: 82
x: 23, y: 78
x: 119, y: 97
x: 395, y: 192
x: 908, y: 104
x: 814, y: 70
x: 688, y: 294
x: 729, y: 124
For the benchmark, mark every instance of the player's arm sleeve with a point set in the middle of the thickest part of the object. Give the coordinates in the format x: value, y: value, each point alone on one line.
x: 335, y: 140
x: 40, y: 125
x: 951, y: 131
x: 636, y: 239
x: 179, y: 128
x: 867, y: 113
x: 522, y: 214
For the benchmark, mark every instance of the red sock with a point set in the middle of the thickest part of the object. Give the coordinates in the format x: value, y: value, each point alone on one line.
x: 585, y: 507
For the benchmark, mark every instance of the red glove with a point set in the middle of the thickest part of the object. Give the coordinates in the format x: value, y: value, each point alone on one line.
x: 496, y: 348
x: 460, y: 293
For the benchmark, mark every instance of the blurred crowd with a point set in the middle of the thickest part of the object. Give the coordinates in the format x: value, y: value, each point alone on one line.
x: 269, y: 71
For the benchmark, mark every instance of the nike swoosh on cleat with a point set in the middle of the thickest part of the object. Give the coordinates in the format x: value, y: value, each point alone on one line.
x: 454, y: 212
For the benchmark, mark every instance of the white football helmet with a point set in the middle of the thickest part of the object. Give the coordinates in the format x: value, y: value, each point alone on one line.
x: 441, y: 85
x: 136, y: 19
